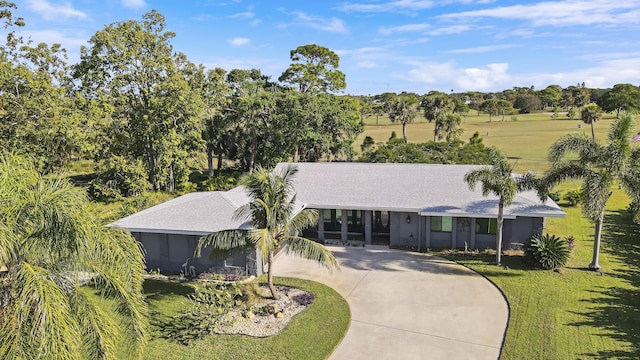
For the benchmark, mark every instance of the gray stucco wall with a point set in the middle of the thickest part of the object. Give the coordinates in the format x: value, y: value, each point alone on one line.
x: 401, y: 232
x: 168, y: 252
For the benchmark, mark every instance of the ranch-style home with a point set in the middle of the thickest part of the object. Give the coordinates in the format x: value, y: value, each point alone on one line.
x: 417, y: 206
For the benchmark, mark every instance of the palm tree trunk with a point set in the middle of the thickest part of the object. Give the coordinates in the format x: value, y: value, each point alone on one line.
x: 499, y: 232
x: 404, y: 132
x: 596, y: 243
x: 593, y: 134
x: 272, y: 288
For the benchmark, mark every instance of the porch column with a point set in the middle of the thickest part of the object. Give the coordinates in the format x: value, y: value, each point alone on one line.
x: 472, y: 236
x: 367, y: 227
x: 454, y: 232
x: 321, y: 225
x: 427, y: 232
x: 344, y: 228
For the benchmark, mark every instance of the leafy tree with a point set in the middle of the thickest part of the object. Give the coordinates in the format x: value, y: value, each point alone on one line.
x: 551, y: 96
x: 598, y: 166
x: 623, y: 97
x: 455, y: 152
x: 496, y: 107
x: 48, y: 244
x: 275, y: 220
x: 37, y: 115
x: 527, y: 103
x: 404, y: 110
x: 498, y: 180
x: 314, y: 70
x: 589, y: 115
x: 157, y: 108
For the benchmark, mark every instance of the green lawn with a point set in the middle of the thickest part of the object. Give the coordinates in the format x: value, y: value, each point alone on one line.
x: 312, y: 334
x: 576, y: 314
x: 525, y: 141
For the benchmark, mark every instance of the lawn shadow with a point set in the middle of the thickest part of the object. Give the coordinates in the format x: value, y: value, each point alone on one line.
x: 617, y: 309
x: 156, y: 289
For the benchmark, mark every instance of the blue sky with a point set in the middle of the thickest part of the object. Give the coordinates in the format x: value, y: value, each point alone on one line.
x: 384, y: 45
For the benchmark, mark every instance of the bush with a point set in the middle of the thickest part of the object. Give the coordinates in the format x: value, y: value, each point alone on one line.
x: 571, y: 242
x: 548, y: 251
x: 555, y: 196
x: 118, y: 177
x: 573, y: 197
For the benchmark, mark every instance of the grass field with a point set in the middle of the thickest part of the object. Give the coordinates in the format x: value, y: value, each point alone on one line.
x: 525, y: 141
x: 576, y: 314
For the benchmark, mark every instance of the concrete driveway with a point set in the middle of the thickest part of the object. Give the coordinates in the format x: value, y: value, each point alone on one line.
x: 409, y: 306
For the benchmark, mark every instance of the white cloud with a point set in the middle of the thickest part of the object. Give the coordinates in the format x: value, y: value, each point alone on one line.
x: 243, y: 15
x: 446, y: 75
x: 397, y: 5
x: 403, y: 28
x: 366, y: 65
x: 50, y: 11
x: 561, y: 13
x: 134, y: 4
x: 482, y: 49
x: 239, y: 41
x: 449, y: 30
x: 332, y: 24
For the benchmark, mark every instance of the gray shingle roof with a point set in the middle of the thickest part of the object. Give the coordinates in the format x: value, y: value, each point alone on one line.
x: 431, y: 190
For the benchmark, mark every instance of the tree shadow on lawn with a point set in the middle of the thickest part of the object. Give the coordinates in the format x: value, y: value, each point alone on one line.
x: 509, y: 262
x: 617, y: 309
x: 156, y: 289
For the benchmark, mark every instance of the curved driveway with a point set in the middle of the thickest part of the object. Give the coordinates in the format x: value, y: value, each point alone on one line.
x: 406, y: 305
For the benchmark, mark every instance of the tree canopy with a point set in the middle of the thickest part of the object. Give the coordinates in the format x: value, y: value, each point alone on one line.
x: 314, y: 70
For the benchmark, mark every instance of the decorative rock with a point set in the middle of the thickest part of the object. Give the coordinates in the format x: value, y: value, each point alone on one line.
x: 279, y: 315
x: 249, y: 315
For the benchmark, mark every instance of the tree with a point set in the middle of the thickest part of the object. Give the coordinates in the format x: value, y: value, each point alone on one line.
x: 157, y: 107
x: 276, y: 221
x: 551, y: 96
x: 527, y: 103
x: 598, y: 166
x: 404, y: 110
x: 436, y: 107
x: 623, y: 97
x: 589, y: 115
x: 498, y: 180
x: 495, y: 107
x: 315, y: 70
x: 49, y: 242
x: 449, y: 127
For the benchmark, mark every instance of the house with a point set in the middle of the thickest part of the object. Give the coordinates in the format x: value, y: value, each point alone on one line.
x: 417, y: 206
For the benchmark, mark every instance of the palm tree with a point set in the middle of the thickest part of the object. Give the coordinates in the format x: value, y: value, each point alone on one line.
x: 498, y: 180
x: 598, y: 166
x: 49, y: 246
x: 275, y: 222
x: 589, y: 115
x: 404, y: 110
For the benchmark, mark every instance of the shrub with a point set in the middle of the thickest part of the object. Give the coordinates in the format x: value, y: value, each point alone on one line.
x: 304, y: 299
x: 118, y: 177
x: 571, y: 242
x: 555, y: 196
x: 573, y: 197
x: 548, y: 251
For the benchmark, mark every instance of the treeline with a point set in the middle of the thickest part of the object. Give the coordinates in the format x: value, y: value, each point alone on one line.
x: 143, y: 112
x: 147, y: 116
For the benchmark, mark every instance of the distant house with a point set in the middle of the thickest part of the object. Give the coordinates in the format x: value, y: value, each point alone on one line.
x: 417, y: 206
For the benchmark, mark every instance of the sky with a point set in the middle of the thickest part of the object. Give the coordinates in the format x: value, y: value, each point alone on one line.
x: 384, y: 45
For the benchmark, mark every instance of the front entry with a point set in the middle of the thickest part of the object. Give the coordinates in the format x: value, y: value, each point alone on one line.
x: 380, y: 228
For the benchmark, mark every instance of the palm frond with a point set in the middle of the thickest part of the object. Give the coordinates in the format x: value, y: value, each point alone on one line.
x: 565, y: 172
x: 302, y: 220
x: 587, y: 149
x: 596, y: 190
x: 98, y: 327
x: 308, y: 249
x: 223, y: 243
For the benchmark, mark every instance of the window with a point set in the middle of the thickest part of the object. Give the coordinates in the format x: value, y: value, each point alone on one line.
x: 486, y: 226
x: 354, y: 221
x: 332, y: 220
x: 441, y: 223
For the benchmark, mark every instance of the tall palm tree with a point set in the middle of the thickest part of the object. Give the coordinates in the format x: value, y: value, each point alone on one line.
x: 49, y: 246
x: 275, y: 222
x: 598, y: 166
x: 404, y: 110
x: 589, y: 115
x: 498, y: 180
